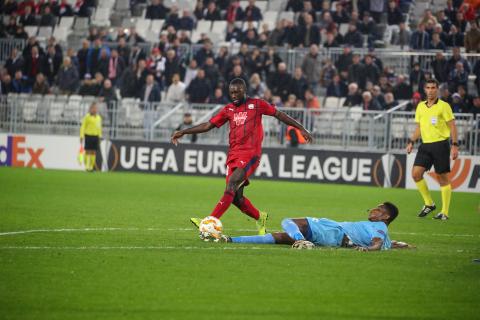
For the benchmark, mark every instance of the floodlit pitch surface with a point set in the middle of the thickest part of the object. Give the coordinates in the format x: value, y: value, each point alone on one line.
x: 120, y: 246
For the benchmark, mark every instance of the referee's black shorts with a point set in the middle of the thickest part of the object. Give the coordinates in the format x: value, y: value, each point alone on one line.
x: 91, y: 143
x: 436, y: 154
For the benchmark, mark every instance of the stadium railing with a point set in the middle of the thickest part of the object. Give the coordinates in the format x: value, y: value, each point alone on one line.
x: 333, y: 128
x: 7, y: 45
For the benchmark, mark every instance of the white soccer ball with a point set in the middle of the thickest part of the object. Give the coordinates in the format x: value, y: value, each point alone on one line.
x: 210, y: 228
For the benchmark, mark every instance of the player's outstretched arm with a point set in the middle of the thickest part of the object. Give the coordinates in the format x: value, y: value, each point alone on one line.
x: 201, y: 128
x: 285, y: 118
x: 374, y: 246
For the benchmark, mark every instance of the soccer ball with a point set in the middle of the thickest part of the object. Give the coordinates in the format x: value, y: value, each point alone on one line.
x: 210, y: 229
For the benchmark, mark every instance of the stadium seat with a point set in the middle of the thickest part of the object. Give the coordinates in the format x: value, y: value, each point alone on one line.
x: 287, y: 15
x: 157, y: 25
x: 343, y: 29
x: 277, y: 5
x: 56, y: 108
x: 122, y: 5
x: 398, y: 127
x: 331, y: 102
x: 81, y: 24
x: 106, y: 4
x: 71, y: 112
x: 45, y: 32
x: 203, y: 26
x: 220, y: 27
x: 29, y: 110
x: 262, y: 5
x: 142, y: 25
x: 270, y: 18
x: 61, y: 33
x: 67, y: 22
x: 101, y: 17
x: 355, y: 113
x: 31, y: 30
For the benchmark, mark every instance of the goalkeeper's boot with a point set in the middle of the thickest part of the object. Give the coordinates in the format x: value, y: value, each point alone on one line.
x: 196, y: 222
x: 262, y: 223
x: 441, y: 216
x: 225, y: 238
x: 426, y: 210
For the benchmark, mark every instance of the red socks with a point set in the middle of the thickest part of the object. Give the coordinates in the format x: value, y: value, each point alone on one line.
x: 223, y: 204
x: 247, y: 207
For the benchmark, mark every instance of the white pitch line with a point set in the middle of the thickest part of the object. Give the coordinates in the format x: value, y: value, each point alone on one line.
x: 105, y: 229
x: 138, y: 248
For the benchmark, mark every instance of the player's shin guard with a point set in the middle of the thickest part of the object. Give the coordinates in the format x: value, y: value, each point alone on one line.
x: 291, y: 228
x: 423, y: 189
x: 223, y: 204
x: 446, y: 196
x: 266, y: 239
x: 247, y: 207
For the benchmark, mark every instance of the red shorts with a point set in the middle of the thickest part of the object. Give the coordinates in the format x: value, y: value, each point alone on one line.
x: 247, y: 162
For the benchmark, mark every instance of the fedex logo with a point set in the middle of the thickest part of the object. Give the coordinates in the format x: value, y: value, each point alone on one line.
x: 12, y: 154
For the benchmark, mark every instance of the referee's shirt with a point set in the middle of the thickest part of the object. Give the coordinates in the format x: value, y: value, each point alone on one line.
x: 433, y: 120
x: 91, y: 126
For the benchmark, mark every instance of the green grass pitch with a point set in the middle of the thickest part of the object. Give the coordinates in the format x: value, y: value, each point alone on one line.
x: 120, y: 246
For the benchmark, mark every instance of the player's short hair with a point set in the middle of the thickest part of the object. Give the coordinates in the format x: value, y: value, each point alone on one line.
x: 238, y: 82
x: 432, y: 81
x: 392, y: 211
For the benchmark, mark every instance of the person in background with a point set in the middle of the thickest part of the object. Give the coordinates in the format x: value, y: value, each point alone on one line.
x: 90, y: 135
x: 187, y: 123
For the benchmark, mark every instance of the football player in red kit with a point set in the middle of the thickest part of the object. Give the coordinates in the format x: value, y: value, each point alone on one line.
x: 244, y: 116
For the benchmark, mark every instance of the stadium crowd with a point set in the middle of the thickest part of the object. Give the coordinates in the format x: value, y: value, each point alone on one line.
x: 116, y: 65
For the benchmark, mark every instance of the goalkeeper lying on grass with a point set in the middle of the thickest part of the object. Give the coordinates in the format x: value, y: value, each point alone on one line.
x: 305, y: 233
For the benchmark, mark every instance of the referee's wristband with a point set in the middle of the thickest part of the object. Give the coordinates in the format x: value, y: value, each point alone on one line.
x: 410, y: 141
x: 455, y: 144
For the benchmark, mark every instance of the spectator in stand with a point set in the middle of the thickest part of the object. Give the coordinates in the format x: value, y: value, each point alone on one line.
x: 377, y: 7
x: 204, y: 52
x: 417, y: 78
x: 420, y: 40
x: 466, y: 98
x: 67, y: 78
x: 311, y: 100
x: 11, y: 27
x: 234, y: 12
x: 280, y: 81
x: 64, y: 9
x: 116, y: 66
x: 402, y: 36
x: 436, y: 43
x: 237, y: 72
x: 340, y: 15
x: 475, y: 110
x: 368, y: 103
x: 337, y: 88
x: 40, y: 86
x: 250, y: 38
x: 299, y: 83
x: 14, y: 63
x: 344, y: 61
x: 134, y: 37
x: 330, y: 41
x: 89, y: 87
x: 444, y: 21
x: 460, y: 22
x: 198, y: 11
x: 307, y: 9
x: 150, y: 92
x: 353, y: 37
x: 308, y: 32
x: 354, y: 98
x: 252, y: 12
x: 378, y: 95
x: 156, y: 10
x: 107, y: 94
x: 176, y: 91
x: 52, y: 64
x: 47, y: 19
x: 254, y: 63
x: 412, y: 105
x: 218, y: 97
x: 186, y: 22
x: 128, y: 82
x: 5, y: 84
x: 294, y: 5
x: 199, y: 89
x: 28, y: 18
x: 356, y: 72
x: 372, y: 72
x: 136, y: 54
x: 256, y: 88
x: 394, y: 15
x: 327, y: 73
x: 233, y: 33
x: 440, y: 67
x: 458, y: 77
x: 367, y: 25
x: 93, y: 55
x: 402, y: 90
x: 9, y: 7
x: 311, y: 68
x: 212, y: 13
x: 34, y: 63
x: 456, y: 57
x: 276, y: 36
x: 20, y: 83
x: 390, y: 101
x: 82, y: 56
x: 190, y: 72
x: 211, y: 71
x: 445, y: 93
x: 455, y: 38
x: 472, y: 38
x: 476, y: 72
x: 103, y: 63
x: 458, y: 105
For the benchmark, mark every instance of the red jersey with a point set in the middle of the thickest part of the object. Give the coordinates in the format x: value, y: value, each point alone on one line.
x: 246, y: 130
